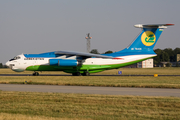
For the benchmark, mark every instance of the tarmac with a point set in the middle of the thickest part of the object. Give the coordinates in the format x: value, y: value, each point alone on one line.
x: 91, y: 90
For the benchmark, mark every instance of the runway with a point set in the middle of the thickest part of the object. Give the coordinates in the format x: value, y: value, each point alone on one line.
x: 91, y: 90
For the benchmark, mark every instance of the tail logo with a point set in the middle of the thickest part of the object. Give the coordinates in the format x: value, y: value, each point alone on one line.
x: 148, y: 38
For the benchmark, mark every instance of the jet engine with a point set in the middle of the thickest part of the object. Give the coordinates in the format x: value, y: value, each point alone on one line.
x: 63, y: 62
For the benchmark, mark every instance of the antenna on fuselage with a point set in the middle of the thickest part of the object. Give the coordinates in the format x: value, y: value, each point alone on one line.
x: 88, y: 42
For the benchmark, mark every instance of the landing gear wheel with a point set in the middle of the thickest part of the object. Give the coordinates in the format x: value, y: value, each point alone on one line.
x: 35, y: 74
x: 76, y: 74
x: 86, y: 73
x: 73, y: 74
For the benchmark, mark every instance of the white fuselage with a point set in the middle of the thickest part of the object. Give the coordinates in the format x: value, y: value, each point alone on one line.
x: 22, y: 62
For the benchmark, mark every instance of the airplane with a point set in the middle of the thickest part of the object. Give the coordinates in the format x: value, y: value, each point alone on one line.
x: 79, y: 63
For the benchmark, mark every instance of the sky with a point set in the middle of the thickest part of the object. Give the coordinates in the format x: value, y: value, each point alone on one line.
x: 38, y: 26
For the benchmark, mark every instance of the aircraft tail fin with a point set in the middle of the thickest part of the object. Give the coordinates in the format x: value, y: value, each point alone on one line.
x: 147, y: 38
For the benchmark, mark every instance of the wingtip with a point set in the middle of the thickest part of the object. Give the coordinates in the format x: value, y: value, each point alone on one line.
x: 169, y: 24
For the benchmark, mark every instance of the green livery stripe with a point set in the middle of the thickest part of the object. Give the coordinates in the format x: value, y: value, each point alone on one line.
x: 90, y: 68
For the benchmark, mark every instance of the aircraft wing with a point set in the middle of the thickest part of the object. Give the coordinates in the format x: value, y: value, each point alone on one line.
x: 81, y: 54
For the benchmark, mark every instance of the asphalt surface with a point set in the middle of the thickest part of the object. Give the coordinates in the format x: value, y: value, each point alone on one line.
x: 91, y: 90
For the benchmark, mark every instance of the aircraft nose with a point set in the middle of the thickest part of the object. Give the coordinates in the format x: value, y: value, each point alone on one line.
x: 7, y: 63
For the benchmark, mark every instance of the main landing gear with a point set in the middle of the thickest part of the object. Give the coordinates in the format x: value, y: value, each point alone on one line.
x: 86, y: 73
x: 35, y: 74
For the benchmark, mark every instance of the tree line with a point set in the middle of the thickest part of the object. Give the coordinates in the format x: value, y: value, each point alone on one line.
x: 165, y: 55
x: 2, y: 66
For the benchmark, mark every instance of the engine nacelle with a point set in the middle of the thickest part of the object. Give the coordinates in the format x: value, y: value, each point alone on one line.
x: 63, y: 62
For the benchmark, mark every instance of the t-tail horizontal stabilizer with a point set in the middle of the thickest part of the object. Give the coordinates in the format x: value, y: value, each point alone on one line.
x: 152, y: 25
x: 147, y: 39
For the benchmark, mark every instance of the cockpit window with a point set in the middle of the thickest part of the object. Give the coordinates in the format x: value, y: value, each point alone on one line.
x: 15, y: 58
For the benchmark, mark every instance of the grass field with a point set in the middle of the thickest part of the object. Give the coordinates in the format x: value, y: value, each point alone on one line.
x: 56, y: 106
x: 39, y: 106
x: 125, y: 71
x: 113, y: 81
x: 108, y: 81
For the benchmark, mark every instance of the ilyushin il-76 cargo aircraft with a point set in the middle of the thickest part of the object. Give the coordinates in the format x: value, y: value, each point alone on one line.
x: 78, y: 63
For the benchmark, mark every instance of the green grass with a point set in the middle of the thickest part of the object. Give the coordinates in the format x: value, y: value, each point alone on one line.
x: 55, y: 106
x: 144, y: 71
x: 107, y: 81
x: 113, y: 81
x: 125, y: 71
x: 81, y: 106
x: 7, y: 116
